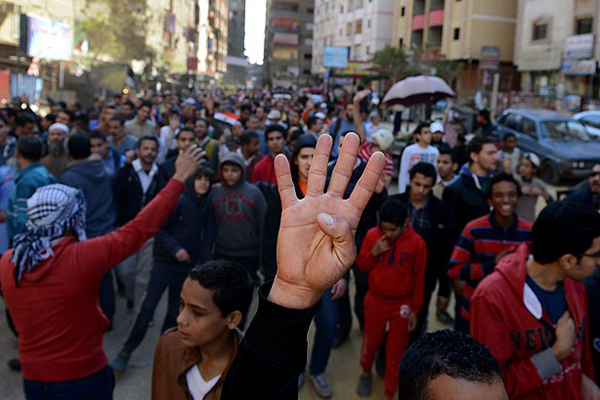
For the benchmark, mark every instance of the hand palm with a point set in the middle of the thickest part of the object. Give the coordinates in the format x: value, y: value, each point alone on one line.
x: 311, y: 254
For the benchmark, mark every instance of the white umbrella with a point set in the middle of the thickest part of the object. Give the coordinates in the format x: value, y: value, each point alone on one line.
x: 418, y: 89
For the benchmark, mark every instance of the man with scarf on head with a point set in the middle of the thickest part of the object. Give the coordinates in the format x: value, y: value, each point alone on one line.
x: 60, y: 333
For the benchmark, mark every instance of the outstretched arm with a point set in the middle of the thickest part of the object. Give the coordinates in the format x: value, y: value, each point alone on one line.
x: 314, y: 249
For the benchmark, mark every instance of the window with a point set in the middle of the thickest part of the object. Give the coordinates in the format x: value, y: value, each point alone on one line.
x: 358, y: 27
x: 584, y: 25
x: 368, y: 50
x: 306, y: 71
x: 566, y: 130
x: 341, y: 32
x: 310, y: 10
x: 349, y: 29
x: 456, y: 33
x: 540, y: 31
x: 308, y: 56
x: 528, y: 127
x: 402, y: 11
x: 591, y: 120
x: 512, y: 121
x: 368, y: 23
x: 401, y: 42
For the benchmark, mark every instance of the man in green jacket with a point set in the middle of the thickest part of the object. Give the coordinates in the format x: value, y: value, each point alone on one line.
x: 31, y: 176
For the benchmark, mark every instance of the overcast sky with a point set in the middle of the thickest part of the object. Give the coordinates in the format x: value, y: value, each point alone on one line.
x: 254, y: 41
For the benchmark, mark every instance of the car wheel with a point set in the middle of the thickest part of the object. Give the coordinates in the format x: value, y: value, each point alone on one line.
x: 549, y: 172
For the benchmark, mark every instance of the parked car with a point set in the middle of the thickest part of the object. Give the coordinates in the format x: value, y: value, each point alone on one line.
x: 591, y: 120
x: 562, y: 143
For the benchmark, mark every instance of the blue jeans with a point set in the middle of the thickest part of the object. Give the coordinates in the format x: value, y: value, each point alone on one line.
x: 164, y: 275
x: 94, y: 387
x: 326, y: 322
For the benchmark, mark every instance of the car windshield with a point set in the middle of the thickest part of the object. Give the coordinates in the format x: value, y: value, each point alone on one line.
x: 566, y: 130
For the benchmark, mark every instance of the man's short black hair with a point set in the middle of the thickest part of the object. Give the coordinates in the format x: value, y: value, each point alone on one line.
x: 393, y: 211
x: 425, y: 169
x: 274, y: 128
x: 24, y: 118
x: 79, y: 146
x: 128, y: 103
x: 119, y: 118
x: 312, y: 121
x: 446, y: 149
x: 50, y: 118
x: 508, y: 135
x: 83, y: 117
x: 502, y: 177
x: 563, y: 228
x: 146, y: 138
x: 186, y: 129
x: 444, y: 352
x: 247, y: 137
x: 476, y: 145
x: 245, y: 107
x: 69, y: 114
x: 5, y: 120
x: 420, y: 127
x: 231, y: 285
x: 30, y: 147
x: 146, y: 104
x: 97, y: 134
x: 485, y: 114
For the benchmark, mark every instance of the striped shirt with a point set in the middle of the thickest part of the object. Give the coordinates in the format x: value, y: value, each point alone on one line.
x: 474, y: 256
x: 365, y: 154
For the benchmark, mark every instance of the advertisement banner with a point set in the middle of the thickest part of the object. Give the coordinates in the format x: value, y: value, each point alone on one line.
x: 490, y: 58
x: 545, y: 59
x: 587, y: 67
x: 49, y: 40
x: 285, y: 38
x: 335, y: 57
x: 580, y: 46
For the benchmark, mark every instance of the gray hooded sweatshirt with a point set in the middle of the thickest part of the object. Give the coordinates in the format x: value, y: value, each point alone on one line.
x: 239, y: 214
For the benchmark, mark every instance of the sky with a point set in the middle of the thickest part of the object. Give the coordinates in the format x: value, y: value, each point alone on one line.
x: 255, y: 30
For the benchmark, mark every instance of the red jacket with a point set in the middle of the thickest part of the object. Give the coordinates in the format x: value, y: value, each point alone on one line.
x: 264, y: 171
x: 501, y: 320
x: 55, y: 307
x: 400, y: 271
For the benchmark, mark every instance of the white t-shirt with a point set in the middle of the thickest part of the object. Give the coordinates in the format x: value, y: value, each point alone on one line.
x: 197, y: 385
x: 411, y: 156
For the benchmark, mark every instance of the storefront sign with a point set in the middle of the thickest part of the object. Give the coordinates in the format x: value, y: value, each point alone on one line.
x: 580, y: 46
x: 490, y: 58
x: 587, y: 67
x: 356, y: 69
x: 49, y: 40
x: 547, y: 59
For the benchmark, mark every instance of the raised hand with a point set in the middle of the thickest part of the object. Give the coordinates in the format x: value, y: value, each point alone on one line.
x: 316, y: 236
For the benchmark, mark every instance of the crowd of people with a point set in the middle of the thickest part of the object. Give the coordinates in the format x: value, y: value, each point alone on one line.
x: 191, y: 194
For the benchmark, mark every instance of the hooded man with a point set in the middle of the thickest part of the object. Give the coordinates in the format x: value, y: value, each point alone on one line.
x: 239, y: 209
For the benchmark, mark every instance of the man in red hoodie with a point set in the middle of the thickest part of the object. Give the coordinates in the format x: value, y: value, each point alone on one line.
x: 532, y: 310
x: 51, y: 281
x: 394, y: 256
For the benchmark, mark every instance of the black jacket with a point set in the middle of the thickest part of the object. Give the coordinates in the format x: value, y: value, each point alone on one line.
x: 191, y: 226
x: 585, y: 197
x: 465, y: 201
x: 272, y: 354
x: 440, y: 242
x: 129, y: 196
x: 592, y: 286
x: 166, y: 171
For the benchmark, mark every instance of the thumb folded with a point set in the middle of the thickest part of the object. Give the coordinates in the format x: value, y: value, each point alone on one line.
x: 336, y: 228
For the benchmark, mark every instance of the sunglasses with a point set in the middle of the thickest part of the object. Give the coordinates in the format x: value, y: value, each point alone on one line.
x: 592, y: 255
x: 595, y: 173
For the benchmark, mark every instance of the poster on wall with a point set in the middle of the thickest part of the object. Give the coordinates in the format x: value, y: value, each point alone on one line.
x: 49, y: 40
x: 21, y: 85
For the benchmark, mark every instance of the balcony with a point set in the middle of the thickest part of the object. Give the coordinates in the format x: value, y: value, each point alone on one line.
x: 436, y: 18
x: 436, y: 5
x: 418, y: 22
x: 419, y: 7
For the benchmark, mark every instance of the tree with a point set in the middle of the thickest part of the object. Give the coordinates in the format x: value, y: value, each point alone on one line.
x: 394, y: 62
x: 116, y: 29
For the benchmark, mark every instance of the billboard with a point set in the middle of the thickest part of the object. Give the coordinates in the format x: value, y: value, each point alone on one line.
x: 48, y: 39
x: 587, y: 67
x: 580, y: 46
x: 490, y: 58
x: 335, y: 57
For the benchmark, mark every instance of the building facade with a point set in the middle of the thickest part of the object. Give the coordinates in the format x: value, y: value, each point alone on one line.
x: 461, y: 31
x: 237, y: 64
x: 364, y: 26
x: 555, y: 48
x: 288, y: 42
x: 212, y: 40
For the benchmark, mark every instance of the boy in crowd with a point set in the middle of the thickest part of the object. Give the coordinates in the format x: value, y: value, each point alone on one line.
x: 449, y: 365
x: 394, y: 256
x: 510, y: 156
x: 421, y: 151
x: 430, y: 218
x: 487, y: 240
x: 110, y: 158
x: 264, y: 171
x: 250, y: 152
x: 531, y: 186
x: 185, y: 240
x: 192, y: 360
x: 184, y: 138
x: 239, y: 209
x: 119, y: 138
x: 447, y: 166
x: 532, y: 311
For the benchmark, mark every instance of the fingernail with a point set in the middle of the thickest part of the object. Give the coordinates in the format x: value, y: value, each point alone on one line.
x: 327, y: 219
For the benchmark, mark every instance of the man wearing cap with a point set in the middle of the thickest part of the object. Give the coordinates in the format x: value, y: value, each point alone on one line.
x: 531, y: 186
x: 437, y: 134
x: 51, y: 279
x: 57, y: 158
x: 589, y: 196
